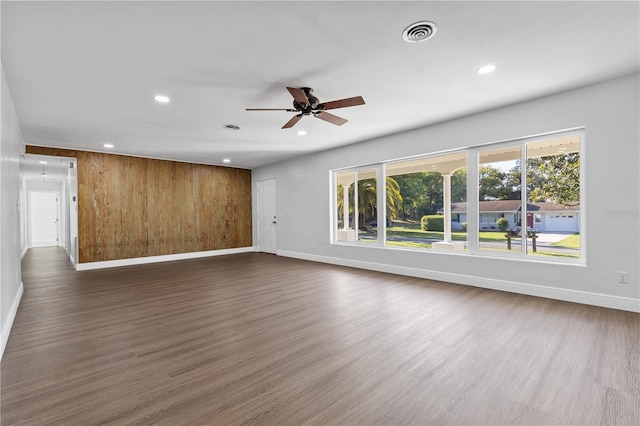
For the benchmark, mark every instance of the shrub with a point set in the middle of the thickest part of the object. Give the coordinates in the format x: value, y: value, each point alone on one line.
x: 432, y: 223
x: 503, y: 224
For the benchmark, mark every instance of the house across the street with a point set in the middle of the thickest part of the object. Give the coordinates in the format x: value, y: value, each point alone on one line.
x: 541, y: 216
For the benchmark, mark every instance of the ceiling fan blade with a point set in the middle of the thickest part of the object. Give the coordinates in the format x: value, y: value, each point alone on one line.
x: 293, y: 121
x: 270, y: 109
x: 342, y: 103
x: 333, y: 119
x: 298, y: 95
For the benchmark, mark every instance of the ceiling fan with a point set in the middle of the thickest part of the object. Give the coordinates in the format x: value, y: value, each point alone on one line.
x: 304, y: 103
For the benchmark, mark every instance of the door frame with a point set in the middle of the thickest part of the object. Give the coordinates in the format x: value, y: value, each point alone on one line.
x: 58, y: 196
x: 271, y: 247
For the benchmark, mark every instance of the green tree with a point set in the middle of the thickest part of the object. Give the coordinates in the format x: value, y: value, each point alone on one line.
x: 394, y: 198
x: 498, y: 185
x: 411, y: 187
x: 340, y: 201
x: 421, y: 193
x: 459, y: 186
x: 434, y: 193
x: 554, y: 178
x: 368, y: 199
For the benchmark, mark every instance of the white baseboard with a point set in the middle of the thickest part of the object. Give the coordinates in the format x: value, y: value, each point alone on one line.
x: 6, y: 328
x: 583, y: 297
x: 163, y: 258
x: 26, y: 249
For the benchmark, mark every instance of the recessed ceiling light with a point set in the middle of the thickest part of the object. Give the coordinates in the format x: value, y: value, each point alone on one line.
x: 486, y: 69
x: 162, y: 99
x: 43, y: 162
x: 226, y: 160
x: 108, y: 145
x: 419, y: 32
x: 302, y: 132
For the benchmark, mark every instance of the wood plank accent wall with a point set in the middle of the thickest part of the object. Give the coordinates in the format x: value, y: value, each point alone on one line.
x: 137, y: 207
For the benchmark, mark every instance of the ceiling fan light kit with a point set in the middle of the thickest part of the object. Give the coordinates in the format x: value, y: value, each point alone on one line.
x: 305, y: 103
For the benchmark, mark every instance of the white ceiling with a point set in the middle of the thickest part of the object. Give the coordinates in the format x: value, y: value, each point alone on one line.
x: 84, y: 73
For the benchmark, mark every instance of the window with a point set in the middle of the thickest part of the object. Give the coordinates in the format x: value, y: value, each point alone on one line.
x: 344, y: 206
x: 525, y: 200
x: 553, y: 188
x: 356, y: 205
x: 426, y: 202
x: 367, y: 205
x: 499, y: 204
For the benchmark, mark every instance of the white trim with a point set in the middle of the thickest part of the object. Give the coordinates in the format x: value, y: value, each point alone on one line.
x: 26, y: 249
x: 6, y: 329
x: 587, y: 298
x: 164, y: 258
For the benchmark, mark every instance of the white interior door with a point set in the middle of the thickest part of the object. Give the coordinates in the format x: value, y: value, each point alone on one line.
x: 267, y: 220
x: 44, y: 218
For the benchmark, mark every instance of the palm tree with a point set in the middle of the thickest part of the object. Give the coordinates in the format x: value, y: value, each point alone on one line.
x: 394, y: 198
x: 368, y: 199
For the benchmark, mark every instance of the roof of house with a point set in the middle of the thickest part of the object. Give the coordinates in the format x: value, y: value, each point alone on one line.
x: 513, y: 206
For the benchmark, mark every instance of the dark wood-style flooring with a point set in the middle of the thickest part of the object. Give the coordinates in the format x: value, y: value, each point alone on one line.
x: 259, y: 339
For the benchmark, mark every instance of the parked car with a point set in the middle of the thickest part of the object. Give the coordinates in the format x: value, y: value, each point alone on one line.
x: 374, y: 222
x: 457, y: 226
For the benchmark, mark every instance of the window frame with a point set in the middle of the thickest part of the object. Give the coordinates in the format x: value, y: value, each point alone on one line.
x: 379, y: 207
x: 472, y: 159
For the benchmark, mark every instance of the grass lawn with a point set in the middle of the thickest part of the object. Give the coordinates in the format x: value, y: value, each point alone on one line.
x: 414, y: 231
x: 493, y: 237
x: 572, y: 241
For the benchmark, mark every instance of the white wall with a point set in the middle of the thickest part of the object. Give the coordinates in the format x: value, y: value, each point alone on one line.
x: 608, y: 110
x: 24, y: 242
x: 10, y: 274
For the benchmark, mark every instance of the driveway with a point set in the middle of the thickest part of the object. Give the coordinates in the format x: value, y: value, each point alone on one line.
x: 552, y: 237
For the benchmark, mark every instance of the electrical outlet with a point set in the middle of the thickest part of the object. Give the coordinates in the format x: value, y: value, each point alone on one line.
x: 623, y: 277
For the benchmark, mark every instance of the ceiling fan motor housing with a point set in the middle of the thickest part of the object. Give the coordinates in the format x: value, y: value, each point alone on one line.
x: 304, y: 103
x: 314, y: 103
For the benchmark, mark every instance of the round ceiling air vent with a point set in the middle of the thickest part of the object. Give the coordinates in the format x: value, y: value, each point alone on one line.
x: 419, y: 32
